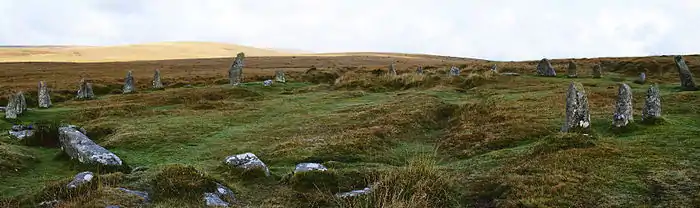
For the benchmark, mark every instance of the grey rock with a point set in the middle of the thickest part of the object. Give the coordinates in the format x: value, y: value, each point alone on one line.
x: 687, y: 81
x: 80, y: 147
x: 571, y: 70
x: 279, y: 76
x: 494, y: 68
x: 22, y: 103
x: 11, y: 109
x: 597, y: 71
x: 43, y: 97
x: 652, y: 105
x: 141, y: 194
x: 642, y: 78
x: 213, y: 200
x: 235, y: 73
x: 49, y: 204
x: 354, y: 193
x: 128, y: 83
x: 419, y: 70
x: 21, y: 134
x: 509, y: 74
x: 81, y: 178
x: 81, y: 129
x: 156, y: 83
x: 267, y: 83
x: 392, y: 70
x: 246, y: 161
x: 623, y: 109
x: 305, y: 167
x: 225, y: 193
x: 454, y: 71
x: 85, y: 90
x: 578, y: 118
x: 544, y: 68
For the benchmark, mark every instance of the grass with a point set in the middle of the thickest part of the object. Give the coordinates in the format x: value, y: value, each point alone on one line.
x: 478, y: 140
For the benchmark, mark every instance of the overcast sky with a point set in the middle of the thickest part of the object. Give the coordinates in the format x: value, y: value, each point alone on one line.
x: 490, y: 29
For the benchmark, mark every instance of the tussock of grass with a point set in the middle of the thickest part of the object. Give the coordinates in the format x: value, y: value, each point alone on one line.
x: 57, y: 190
x: 180, y: 181
x: 564, y: 141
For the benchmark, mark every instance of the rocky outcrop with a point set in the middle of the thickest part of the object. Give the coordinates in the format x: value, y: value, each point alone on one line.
x: 43, y: 95
x: 246, y: 162
x: 623, y: 109
x: 78, y: 146
x: 235, y: 72
x: 578, y: 118
x: 85, y: 90
x: 279, y: 76
x: 686, y: 77
x: 156, y: 83
x: 545, y: 68
x: 652, y: 105
x: 128, y: 83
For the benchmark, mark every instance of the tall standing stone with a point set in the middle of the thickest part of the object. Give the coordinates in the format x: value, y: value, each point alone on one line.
x: 279, y: 76
x: 128, y: 83
x: 545, y: 68
x: 44, y: 98
x: 571, y: 70
x: 642, y: 78
x: 22, y: 103
x: 85, y: 90
x: 157, y: 84
x: 578, y: 118
x: 597, y: 71
x: 623, y: 109
x: 11, y: 109
x: 687, y: 82
x: 652, y: 105
x: 454, y: 71
x: 494, y: 68
x: 392, y: 70
x: 235, y: 73
x: 419, y: 70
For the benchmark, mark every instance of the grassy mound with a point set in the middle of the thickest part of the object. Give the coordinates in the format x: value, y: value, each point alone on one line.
x: 181, y: 182
x: 14, y: 158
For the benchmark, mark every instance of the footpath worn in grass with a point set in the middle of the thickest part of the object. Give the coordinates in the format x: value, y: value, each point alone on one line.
x: 480, y: 140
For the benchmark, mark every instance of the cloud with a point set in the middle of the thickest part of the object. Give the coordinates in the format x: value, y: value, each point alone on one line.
x: 497, y: 29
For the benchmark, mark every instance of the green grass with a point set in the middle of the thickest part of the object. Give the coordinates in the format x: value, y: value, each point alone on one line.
x: 481, y: 141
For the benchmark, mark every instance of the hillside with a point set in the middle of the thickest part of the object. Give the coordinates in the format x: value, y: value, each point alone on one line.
x: 475, y: 140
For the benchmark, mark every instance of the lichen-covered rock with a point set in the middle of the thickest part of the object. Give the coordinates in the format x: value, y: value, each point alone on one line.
x: 545, y: 68
x: 392, y: 70
x: 225, y: 193
x: 81, y: 178
x: 597, y: 71
x: 510, y: 74
x: 128, y: 83
x: 279, y: 76
x: 354, y: 193
x: 213, y: 200
x: 21, y: 132
x: 246, y: 161
x: 571, y: 71
x: 454, y: 71
x: 85, y: 90
x: 157, y: 84
x: 80, y: 147
x: 419, y: 70
x: 687, y: 81
x: 304, y: 167
x: 652, y: 105
x: 267, y: 83
x: 22, y: 103
x: 43, y: 95
x: 623, y: 109
x: 235, y: 73
x: 11, y: 109
x: 642, y: 78
x: 578, y: 118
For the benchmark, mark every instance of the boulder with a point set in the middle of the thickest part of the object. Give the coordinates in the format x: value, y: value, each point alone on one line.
x: 235, y: 72
x: 128, y: 83
x: 157, y: 84
x: 545, y: 68
x: 81, y: 178
x: 623, y: 109
x: 43, y: 95
x: 213, y: 200
x: 578, y: 118
x: 279, y: 76
x: 652, y: 105
x: 246, y: 162
x: 80, y: 147
x: 687, y: 81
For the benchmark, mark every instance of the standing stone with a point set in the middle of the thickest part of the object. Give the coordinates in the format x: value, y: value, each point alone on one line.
x: 571, y: 71
x: 157, y: 84
x: 578, y: 118
x: 494, y: 68
x: 128, y: 83
x: 454, y: 71
x: 419, y: 70
x: 22, y: 103
x: 544, y: 68
x: 687, y: 82
x: 235, y: 73
x: 85, y: 90
x: 11, y: 109
x: 279, y: 76
x: 267, y: 83
x: 623, y: 110
x: 652, y: 105
x: 597, y: 71
x: 642, y: 78
x: 44, y: 98
x: 392, y: 70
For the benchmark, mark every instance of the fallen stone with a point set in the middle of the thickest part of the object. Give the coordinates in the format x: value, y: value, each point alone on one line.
x: 305, y: 167
x: 578, y: 118
x: 213, y: 200
x: 509, y: 74
x: 571, y: 71
x: 143, y: 195
x: 128, y: 83
x: 44, y: 98
x: 81, y: 178
x: 246, y: 161
x: 545, y: 68
x: 652, y: 105
x: 597, y: 71
x: 686, y: 77
x: 235, y: 72
x: 85, y: 90
x: 21, y: 134
x: 80, y: 147
x: 279, y: 76
x: 392, y: 70
x: 454, y: 71
x: 267, y: 83
x: 623, y: 110
x: 354, y: 193
x: 156, y: 83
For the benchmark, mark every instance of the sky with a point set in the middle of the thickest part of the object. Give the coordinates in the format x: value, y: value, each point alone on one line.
x: 503, y: 30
